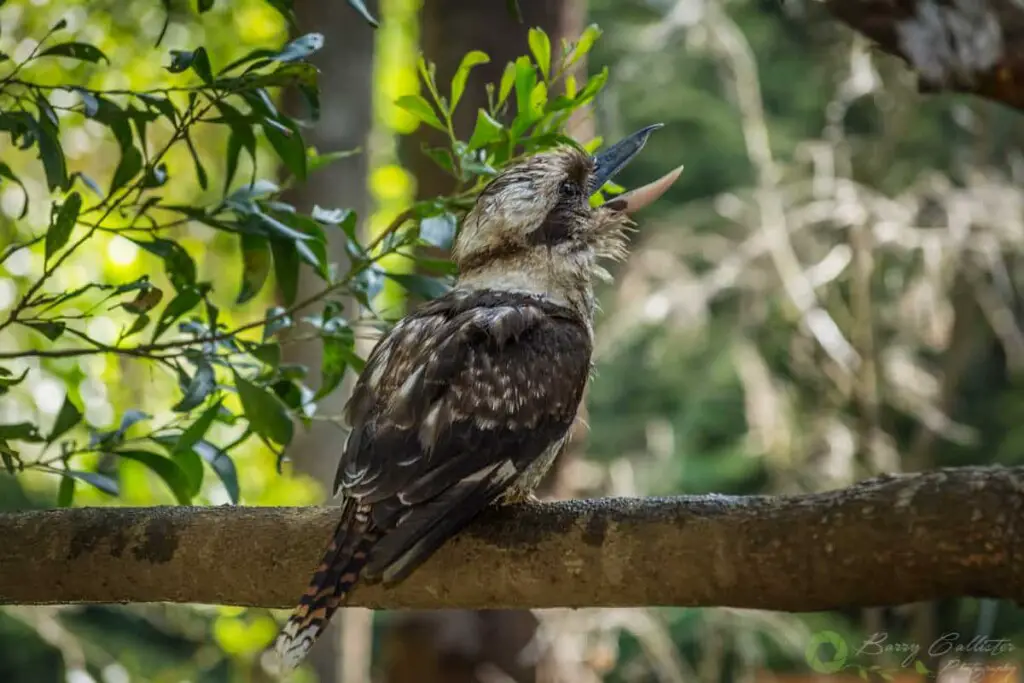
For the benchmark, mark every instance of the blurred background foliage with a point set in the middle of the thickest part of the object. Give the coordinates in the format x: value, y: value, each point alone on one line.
x: 830, y: 291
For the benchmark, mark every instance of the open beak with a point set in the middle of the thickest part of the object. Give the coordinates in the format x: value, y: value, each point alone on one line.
x: 612, y: 160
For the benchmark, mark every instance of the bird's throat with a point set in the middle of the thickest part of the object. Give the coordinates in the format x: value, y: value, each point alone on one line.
x: 568, y: 287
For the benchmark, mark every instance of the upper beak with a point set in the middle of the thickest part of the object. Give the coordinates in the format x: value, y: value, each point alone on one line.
x: 612, y: 160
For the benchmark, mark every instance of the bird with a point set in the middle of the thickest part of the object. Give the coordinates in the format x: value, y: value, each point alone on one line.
x: 467, y: 400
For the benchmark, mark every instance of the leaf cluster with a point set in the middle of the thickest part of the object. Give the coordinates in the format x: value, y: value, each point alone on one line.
x: 231, y: 378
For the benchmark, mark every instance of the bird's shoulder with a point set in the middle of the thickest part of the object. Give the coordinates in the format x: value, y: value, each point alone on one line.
x: 465, y: 380
x: 488, y: 351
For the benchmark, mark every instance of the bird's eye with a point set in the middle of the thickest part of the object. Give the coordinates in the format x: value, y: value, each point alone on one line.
x: 568, y: 189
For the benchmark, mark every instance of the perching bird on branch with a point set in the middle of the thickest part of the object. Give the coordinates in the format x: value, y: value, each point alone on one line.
x: 468, y: 400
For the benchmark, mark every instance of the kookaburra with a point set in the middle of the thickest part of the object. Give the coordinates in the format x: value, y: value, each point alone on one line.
x: 468, y: 400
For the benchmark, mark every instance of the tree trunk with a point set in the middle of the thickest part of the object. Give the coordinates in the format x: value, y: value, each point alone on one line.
x: 346, y: 66
x: 466, y: 646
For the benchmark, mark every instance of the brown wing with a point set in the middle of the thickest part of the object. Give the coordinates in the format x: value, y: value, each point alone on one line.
x: 452, y: 407
x: 454, y: 404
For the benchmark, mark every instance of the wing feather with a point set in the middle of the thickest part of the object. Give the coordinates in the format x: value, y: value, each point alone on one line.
x: 473, y: 391
x: 455, y: 404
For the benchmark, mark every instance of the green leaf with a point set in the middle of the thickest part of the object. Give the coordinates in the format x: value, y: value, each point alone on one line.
x: 420, y: 285
x: 241, y: 137
x: 256, y: 263
x: 538, y: 99
x: 144, y: 301
x: 920, y: 667
x: 192, y: 465
x: 295, y: 395
x: 197, y: 59
x: 66, y: 492
x: 288, y: 145
x: 437, y: 266
x: 286, y: 268
x: 50, y: 151
x: 358, y: 6
x: 267, y: 353
x: 337, y: 349
x: 587, y: 38
x: 316, y: 161
x: 300, y: 48
x: 181, y: 269
x: 313, y: 248
x: 514, y: 11
x: 418, y: 106
x: 155, y: 176
x: 81, y: 51
x: 199, y: 387
x: 179, y: 265
x: 311, y: 96
x: 261, y: 104
x: 236, y: 142
x: 526, y: 79
x: 222, y: 466
x: 472, y: 58
x: 275, y: 320
x: 197, y: 430
x: 6, y: 172
x: 508, y: 79
x: 439, y: 231
x: 7, y: 456
x: 161, y: 104
x: 50, y: 330
x: 486, y: 131
x: 116, y: 119
x: 281, y: 229
x: 330, y: 216
x: 58, y: 234
x: 129, y: 166
x: 100, y: 481
x: 540, y: 46
x: 592, y: 87
x: 23, y: 431
x: 181, y: 304
x: 180, y: 61
x: 7, y: 380
x: 197, y: 163
x: 128, y: 420
x: 166, y: 469
x: 204, y: 5
x: 267, y: 415
x: 441, y: 156
x: 138, y: 325
x: 67, y: 418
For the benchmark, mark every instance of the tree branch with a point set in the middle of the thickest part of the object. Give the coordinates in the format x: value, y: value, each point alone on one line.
x: 887, y: 541
x: 970, y: 46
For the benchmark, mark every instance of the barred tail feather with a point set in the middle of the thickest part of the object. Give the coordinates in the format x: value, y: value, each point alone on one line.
x: 335, y: 576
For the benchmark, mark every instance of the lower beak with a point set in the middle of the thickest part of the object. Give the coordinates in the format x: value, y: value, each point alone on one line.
x: 612, y: 160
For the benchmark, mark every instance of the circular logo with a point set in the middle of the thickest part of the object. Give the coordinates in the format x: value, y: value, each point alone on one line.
x: 826, y: 664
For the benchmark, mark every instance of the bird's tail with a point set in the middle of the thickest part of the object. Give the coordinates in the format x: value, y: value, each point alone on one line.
x: 335, y: 576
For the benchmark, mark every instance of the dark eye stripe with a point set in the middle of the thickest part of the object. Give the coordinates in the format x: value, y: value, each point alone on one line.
x: 557, y: 226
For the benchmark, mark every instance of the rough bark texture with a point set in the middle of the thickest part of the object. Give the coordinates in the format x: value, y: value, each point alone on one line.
x: 887, y: 541
x: 972, y: 46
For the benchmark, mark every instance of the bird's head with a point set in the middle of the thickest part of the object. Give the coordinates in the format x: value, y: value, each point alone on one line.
x: 533, y: 229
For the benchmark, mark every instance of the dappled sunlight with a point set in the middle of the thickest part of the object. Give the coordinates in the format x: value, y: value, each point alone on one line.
x: 829, y: 291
